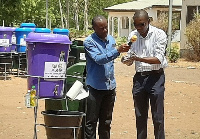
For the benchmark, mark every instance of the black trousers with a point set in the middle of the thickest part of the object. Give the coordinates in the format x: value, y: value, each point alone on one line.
x: 100, y: 105
x: 149, y: 88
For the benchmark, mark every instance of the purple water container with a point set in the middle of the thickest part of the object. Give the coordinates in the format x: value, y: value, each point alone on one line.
x: 47, y: 56
x: 5, y: 39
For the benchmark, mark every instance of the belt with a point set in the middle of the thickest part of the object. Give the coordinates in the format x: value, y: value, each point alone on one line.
x: 145, y: 73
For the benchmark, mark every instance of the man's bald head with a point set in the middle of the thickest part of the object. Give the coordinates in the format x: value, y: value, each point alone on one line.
x: 141, y: 14
x: 100, y: 26
x: 141, y: 22
x: 97, y: 19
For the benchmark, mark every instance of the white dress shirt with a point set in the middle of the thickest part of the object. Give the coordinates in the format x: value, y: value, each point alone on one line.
x: 153, y: 45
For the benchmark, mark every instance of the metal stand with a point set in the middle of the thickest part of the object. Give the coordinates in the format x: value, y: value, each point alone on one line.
x: 74, y: 129
x: 36, y: 110
x: 6, y: 59
x: 5, y: 70
x: 22, y: 64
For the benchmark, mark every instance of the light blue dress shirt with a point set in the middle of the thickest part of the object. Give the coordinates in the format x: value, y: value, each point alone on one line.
x: 100, y: 57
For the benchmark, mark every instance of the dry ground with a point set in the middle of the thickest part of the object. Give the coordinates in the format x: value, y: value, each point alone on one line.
x: 182, y: 105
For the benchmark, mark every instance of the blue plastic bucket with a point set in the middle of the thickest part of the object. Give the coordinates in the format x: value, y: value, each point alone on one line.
x: 32, y: 26
x: 42, y: 30
x: 21, y: 34
x: 61, y: 31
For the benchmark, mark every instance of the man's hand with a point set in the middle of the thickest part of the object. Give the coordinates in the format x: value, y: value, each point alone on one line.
x: 126, y: 60
x: 123, y: 48
x: 134, y: 58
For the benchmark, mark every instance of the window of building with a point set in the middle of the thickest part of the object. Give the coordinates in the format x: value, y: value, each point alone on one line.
x: 176, y: 17
x: 125, y: 22
x: 191, y: 12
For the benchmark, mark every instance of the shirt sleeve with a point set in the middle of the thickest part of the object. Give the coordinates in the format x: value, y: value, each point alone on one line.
x: 160, y: 46
x: 91, y: 48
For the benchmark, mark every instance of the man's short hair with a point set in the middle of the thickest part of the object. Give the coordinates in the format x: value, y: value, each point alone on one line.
x: 97, y: 18
x: 140, y: 13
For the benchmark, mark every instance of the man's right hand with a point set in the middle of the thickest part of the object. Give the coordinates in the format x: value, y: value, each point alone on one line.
x: 123, y: 48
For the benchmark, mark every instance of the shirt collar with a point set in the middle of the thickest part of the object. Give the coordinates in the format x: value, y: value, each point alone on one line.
x: 100, y: 38
x: 149, y: 33
x: 150, y: 30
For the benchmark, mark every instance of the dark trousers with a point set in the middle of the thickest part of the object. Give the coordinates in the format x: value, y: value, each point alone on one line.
x: 100, y: 105
x: 149, y: 88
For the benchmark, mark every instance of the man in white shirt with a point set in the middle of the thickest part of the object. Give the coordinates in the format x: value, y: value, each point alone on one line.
x: 148, y: 53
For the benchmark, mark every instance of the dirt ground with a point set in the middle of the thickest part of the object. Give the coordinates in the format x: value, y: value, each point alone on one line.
x: 182, y: 102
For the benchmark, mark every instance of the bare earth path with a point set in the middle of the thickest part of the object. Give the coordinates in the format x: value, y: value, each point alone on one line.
x: 182, y: 105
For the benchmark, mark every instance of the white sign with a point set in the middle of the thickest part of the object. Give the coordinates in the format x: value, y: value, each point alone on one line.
x: 22, y: 42
x: 82, y: 56
x: 4, y: 42
x: 13, y: 41
x: 55, y: 70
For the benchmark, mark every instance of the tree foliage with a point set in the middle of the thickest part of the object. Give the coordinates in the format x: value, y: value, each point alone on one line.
x: 15, y: 12
x: 193, y: 38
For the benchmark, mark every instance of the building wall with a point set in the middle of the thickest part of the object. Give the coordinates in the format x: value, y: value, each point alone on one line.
x: 118, y: 15
x: 125, y: 32
x: 185, y: 3
x: 152, y: 13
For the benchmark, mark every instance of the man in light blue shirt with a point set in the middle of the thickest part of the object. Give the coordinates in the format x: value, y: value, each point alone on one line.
x: 100, y: 54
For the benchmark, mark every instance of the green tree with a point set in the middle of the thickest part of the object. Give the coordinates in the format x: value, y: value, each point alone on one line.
x: 193, y: 38
x: 15, y: 12
x: 9, y: 11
